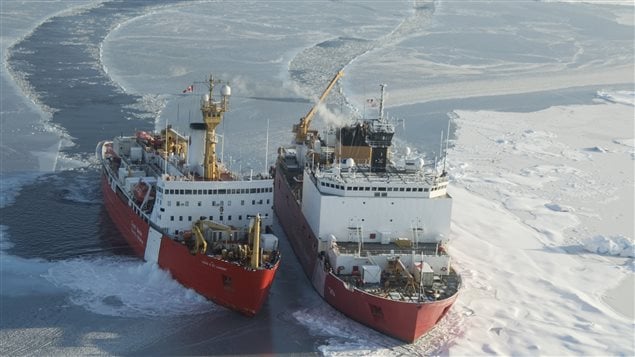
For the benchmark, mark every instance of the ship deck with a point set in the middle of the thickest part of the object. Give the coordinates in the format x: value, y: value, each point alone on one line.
x: 443, y: 287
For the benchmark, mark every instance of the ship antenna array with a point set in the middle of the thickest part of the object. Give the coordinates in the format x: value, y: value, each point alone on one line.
x: 440, y: 150
x: 212, y: 116
x: 267, y: 149
x: 165, y: 159
x: 381, y: 103
x: 447, y: 139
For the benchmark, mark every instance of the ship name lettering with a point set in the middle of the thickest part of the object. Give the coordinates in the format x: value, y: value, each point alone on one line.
x: 136, y: 232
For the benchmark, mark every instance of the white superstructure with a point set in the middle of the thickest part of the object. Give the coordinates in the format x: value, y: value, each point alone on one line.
x: 384, y: 207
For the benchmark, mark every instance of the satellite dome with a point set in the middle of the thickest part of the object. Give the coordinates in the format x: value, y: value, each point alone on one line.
x: 226, y: 90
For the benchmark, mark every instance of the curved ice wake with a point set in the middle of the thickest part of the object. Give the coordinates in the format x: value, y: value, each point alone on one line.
x: 115, y: 286
x: 313, y: 67
x: 119, y: 286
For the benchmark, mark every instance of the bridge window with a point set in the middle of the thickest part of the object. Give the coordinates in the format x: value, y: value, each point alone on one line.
x: 171, y: 218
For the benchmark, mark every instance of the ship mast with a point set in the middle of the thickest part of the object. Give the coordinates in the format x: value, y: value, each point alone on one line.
x: 381, y: 103
x: 212, y: 116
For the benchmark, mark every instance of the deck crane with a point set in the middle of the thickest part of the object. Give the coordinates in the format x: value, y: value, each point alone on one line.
x: 200, y: 226
x: 242, y: 251
x: 301, y: 130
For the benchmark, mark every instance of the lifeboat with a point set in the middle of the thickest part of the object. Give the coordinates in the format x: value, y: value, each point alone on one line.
x: 140, y: 190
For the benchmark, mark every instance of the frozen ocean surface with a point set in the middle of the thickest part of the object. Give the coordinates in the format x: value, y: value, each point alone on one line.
x: 540, y: 98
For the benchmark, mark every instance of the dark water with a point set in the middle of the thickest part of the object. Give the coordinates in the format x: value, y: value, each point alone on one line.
x: 60, y: 216
x: 60, y: 61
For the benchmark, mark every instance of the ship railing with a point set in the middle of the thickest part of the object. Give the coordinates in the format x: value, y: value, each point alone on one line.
x: 427, y: 251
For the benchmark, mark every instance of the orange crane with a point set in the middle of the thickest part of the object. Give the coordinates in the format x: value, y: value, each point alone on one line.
x: 301, y: 130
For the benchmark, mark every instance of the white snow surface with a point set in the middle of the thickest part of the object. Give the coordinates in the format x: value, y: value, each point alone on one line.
x: 543, y: 231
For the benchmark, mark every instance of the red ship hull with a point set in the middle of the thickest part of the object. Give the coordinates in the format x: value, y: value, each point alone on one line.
x: 238, y: 288
x: 405, y: 321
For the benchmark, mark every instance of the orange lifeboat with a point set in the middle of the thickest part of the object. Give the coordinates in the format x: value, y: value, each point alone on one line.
x: 140, y: 190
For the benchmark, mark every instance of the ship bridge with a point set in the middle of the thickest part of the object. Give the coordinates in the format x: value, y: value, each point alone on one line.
x: 350, y: 180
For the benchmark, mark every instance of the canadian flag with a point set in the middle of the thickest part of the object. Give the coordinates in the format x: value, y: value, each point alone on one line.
x: 189, y: 89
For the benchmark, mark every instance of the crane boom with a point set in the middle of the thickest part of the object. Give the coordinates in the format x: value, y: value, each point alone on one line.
x: 302, y: 129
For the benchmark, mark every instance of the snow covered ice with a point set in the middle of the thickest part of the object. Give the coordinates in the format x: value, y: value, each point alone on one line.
x: 541, y: 100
